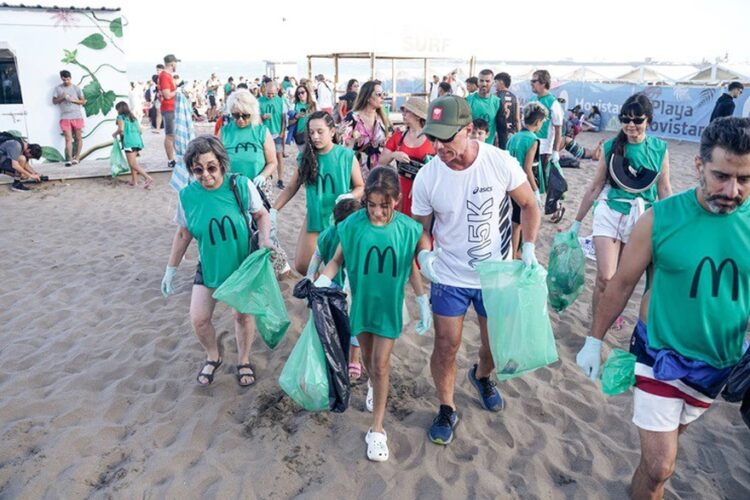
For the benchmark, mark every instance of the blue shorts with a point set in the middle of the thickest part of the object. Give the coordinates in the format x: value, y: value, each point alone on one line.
x: 278, y: 140
x: 454, y: 301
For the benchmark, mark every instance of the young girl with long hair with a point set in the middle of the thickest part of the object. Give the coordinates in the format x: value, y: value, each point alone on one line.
x: 129, y: 133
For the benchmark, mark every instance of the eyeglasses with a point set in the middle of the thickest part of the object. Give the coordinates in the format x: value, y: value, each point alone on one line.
x: 534, y: 81
x: 211, y: 169
x: 627, y: 119
x: 432, y: 138
x: 244, y: 116
x: 301, y: 92
x: 378, y: 94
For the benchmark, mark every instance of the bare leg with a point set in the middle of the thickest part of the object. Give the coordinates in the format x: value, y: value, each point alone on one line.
x: 68, y: 144
x: 135, y: 168
x: 486, y: 363
x: 169, y: 146
x: 79, y: 143
x: 376, y: 354
x: 306, y: 243
x: 280, y: 165
x: 448, y: 331
x: 244, y: 332
x: 607, y: 256
x: 201, y: 310
x: 658, y: 459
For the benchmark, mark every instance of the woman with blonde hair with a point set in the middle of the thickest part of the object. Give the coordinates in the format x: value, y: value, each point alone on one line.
x: 366, y: 128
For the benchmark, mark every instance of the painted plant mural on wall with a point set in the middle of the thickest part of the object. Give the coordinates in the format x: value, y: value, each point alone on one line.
x: 99, y: 100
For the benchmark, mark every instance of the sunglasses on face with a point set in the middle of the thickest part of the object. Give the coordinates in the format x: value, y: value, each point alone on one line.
x: 244, y: 116
x: 627, y: 119
x: 378, y: 94
x: 432, y: 138
x: 301, y: 92
x: 198, y: 171
x: 534, y: 81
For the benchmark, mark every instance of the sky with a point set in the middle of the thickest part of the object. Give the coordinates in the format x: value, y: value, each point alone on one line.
x: 586, y: 30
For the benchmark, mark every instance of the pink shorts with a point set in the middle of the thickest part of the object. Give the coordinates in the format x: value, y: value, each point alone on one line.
x: 66, y: 125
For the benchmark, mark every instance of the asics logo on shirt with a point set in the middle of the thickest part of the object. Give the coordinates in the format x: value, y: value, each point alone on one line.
x: 482, y: 190
x: 381, y: 256
x: 716, y: 274
x: 222, y: 230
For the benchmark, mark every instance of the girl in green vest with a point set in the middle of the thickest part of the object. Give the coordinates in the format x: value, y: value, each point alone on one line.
x: 378, y: 245
x: 210, y: 212
x: 619, y: 203
x: 129, y: 132
x: 329, y: 172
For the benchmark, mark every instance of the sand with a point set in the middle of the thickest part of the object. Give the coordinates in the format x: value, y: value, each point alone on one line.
x: 98, y: 395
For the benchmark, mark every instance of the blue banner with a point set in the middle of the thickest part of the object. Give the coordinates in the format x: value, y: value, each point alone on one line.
x: 680, y: 112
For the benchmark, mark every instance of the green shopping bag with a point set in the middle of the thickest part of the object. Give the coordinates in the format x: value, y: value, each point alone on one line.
x: 304, y: 377
x: 618, y: 373
x: 253, y: 289
x: 566, y: 271
x: 118, y: 164
x: 520, y: 332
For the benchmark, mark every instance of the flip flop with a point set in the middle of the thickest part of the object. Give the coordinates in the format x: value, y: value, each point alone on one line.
x: 208, y: 376
x: 377, y: 446
x: 241, y: 375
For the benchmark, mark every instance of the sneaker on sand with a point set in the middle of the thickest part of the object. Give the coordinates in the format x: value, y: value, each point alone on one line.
x: 18, y: 186
x: 488, y: 393
x: 441, y: 431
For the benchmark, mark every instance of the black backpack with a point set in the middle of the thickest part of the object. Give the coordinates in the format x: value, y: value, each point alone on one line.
x: 7, y: 136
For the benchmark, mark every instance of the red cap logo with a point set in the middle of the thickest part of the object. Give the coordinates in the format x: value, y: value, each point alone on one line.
x: 437, y: 114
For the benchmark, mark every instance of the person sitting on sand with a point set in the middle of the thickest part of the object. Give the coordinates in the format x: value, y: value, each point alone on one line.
x: 129, y: 132
x: 592, y: 122
x: 692, y: 322
x: 209, y: 212
x: 620, y: 204
x: 367, y: 238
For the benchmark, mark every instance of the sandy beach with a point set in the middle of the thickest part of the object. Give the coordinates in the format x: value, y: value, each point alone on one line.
x: 98, y: 395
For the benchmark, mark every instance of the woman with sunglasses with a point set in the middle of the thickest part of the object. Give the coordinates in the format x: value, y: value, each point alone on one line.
x: 631, y: 174
x: 304, y: 106
x: 210, y: 212
x: 329, y: 172
x: 367, y: 127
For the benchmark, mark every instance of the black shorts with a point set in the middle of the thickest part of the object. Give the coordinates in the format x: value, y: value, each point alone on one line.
x: 212, y: 100
x: 131, y: 150
x: 515, y: 215
x: 6, y: 167
x: 198, y: 275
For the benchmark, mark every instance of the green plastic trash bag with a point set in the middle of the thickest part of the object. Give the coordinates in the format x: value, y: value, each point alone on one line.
x: 567, y: 270
x: 253, y: 289
x: 520, y: 332
x: 618, y: 373
x: 304, y: 376
x: 118, y: 164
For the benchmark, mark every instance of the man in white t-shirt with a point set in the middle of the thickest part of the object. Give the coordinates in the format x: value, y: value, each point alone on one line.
x: 324, y: 94
x: 466, y: 190
x: 550, y: 134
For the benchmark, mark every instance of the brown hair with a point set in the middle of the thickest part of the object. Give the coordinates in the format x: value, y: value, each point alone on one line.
x: 345, y: 208
x: 308, y: 165
x: 384, y: 181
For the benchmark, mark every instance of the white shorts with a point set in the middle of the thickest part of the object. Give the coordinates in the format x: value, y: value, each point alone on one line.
x: 611, y: 223
x: 662, y: 414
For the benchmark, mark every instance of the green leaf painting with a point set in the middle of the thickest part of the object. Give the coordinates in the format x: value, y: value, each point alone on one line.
x: 51, y: 154
x: 95, y: 41
x: 97, y: 99
x: 70, y: 56
x: 116, y: 27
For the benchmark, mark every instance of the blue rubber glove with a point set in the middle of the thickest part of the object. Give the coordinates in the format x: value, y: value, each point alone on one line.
x: 589, y: 358
x: 426, y: 261
x: 166, y: 282
x: 323, y: 281
x: 425, y: 314
x: 575, y: 227
x: 527, y: 254
x: 259, y: 181
x: 272, y: 234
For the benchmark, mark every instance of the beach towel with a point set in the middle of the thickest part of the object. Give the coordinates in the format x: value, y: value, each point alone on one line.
x: 183, y: 134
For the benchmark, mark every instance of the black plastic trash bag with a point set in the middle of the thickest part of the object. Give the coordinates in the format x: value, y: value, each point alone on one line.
x: 331, y: 318
x: 738, y: 383
x: 556, y: 188
x: 745, y: 409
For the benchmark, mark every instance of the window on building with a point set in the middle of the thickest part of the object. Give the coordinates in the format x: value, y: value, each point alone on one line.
x: 10, y: 88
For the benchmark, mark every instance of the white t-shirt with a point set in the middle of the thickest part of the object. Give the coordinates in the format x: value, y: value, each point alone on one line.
x: 325, y: 96
x: 256, y: 203
x: 546, y: 145
x: 471, y: 210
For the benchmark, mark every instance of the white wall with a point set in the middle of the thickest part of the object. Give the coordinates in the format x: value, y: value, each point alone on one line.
x: 38, y: 37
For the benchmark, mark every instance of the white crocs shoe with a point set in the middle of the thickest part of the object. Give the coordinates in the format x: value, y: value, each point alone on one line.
x: 377, y: 446
x: 369, y: 401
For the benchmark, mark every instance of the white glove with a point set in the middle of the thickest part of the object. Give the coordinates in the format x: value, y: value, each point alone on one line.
x: 315, y: 262
x: 527, y: 254
x: 259, y: 181
x: 425, y: 314
x: 166, y: 282
x: 538, y: 197
x: 575, y: 227
x: 345, y: 196
x: 323, y: 281
x: 426, y: 261
x: 589, y: 358
x: 272, y: 234
x: 556, y: 156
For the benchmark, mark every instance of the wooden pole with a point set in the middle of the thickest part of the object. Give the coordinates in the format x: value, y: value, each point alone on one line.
x: 372, y: 65
x: 335, y: 77
x: 425, y: 80
x: 309, y: 68
x: 393, y: 80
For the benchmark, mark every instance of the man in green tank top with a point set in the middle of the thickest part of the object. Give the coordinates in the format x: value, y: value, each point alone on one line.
x: 484, y: 104
x: 697, y: 244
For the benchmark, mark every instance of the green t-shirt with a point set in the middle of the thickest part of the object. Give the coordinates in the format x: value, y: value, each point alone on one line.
x: 334, y: 179
x: 216, y: 222
x: 378, y: 261
x: 547, y: 101
x: 245, y: 148
x: 131, y: 133
x: 274, y: 107
x: 328, y: 241
x: 519, y: 145
x: 227, y: 88
x: 302, y: 122
x: 700, y: 297
x: 647, y: 154
x: 485, y: 108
